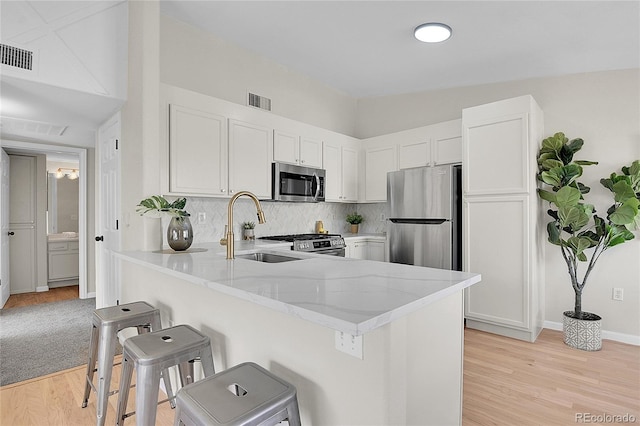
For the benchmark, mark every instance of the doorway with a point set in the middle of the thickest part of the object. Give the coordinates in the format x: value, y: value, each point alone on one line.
x: 81, y: 154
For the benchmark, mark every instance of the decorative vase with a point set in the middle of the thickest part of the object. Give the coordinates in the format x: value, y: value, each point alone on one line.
x: 354, y: 228
x: 582, y: 333
x: 248, y: 234
x: 152, y: 233
x: 180, y: 233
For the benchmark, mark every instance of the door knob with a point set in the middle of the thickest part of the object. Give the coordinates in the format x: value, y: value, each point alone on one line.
x: 100, y: 238
x: 11, y: 233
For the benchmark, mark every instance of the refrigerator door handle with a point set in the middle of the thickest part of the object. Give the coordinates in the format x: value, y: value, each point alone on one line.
x: 419, y: 221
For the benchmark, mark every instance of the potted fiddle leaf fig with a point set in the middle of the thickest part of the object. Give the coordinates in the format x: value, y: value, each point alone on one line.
x: 582, y: 235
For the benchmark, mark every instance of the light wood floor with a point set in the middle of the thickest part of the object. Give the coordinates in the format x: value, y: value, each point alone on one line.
x: 506, y: 382
x: 53, y: 295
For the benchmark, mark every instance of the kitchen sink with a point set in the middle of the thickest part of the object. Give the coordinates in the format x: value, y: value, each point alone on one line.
x: 267, y: 257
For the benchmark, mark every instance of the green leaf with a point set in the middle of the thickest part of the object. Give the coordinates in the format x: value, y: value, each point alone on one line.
x: 623, y: 191
x: 547, y: 195
x: 618, y: 235
x: 625, y: 213
x: 567, y: 196
x: 552, y: 177
x: 554, y: 233
x: 551, y: 164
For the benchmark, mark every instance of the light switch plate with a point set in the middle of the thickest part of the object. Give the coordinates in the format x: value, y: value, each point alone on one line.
x: 350, y: 344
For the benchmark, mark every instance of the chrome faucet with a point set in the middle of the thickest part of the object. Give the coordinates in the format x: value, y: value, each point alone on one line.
x: 228, y: 231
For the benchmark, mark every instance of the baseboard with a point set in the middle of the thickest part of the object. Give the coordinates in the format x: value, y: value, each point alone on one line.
x: 42, y: 288
x: 629, y: 339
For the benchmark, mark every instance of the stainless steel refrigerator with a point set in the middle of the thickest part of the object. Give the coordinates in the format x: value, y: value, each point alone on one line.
x: 425, y: 216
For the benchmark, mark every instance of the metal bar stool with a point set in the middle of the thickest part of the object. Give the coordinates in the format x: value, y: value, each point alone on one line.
x: 150, y: 354
x: 107, y: 322
x: 246, y: 394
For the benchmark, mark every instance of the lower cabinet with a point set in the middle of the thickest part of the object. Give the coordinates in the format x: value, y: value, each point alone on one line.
x: 365, y: 248
x: 63, y: 260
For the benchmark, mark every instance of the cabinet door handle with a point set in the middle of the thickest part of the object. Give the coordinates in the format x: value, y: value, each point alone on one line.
x: 11, y: 233
x: 100, y: 238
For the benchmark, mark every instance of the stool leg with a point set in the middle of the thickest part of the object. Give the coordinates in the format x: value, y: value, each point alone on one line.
x: 186, y: 373
x: 123, y: 390
x: 293, y: 412
x: 91, y: 364
x: 206, y: 359
x: 155, y: 325
x: 106, y: 352
x: 147, y: 388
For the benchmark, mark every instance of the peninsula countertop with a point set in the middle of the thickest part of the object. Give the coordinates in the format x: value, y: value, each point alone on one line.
x: 348, y: 295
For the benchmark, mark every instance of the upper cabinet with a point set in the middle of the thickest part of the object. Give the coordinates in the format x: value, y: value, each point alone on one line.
x: 250, y: 158
x: 378, y: 162
x: 299, y: 150
x: 430, y: 145
x: 196, y: 135
x: 424, y: 146
x: 340, y: 161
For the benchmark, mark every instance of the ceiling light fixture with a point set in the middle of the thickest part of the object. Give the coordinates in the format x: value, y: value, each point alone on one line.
x: 432, y: 32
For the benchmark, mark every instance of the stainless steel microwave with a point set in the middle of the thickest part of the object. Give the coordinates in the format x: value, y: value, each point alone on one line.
x: 296, y: 183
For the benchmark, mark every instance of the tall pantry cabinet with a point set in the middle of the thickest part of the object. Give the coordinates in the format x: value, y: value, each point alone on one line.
x: 504, y: 226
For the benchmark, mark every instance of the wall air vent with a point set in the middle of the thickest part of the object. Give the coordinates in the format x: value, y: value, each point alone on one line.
x: 259, y: 101
x: 16, y: 57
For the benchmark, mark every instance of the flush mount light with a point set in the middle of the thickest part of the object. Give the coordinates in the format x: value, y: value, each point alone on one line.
x: 432, y: 32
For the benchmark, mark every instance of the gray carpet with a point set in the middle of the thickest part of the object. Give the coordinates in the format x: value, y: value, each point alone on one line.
x: 43, y: 339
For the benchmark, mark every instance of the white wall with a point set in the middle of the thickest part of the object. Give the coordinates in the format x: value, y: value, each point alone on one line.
x: 195, y: 60
x: 602, y: 108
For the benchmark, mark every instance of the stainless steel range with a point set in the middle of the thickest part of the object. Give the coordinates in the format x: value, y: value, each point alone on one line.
x: 331, y: 244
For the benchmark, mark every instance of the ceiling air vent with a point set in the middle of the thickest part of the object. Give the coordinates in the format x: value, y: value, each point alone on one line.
x: 12, y: 125
x: 16, y: 57
x: 259, y: 101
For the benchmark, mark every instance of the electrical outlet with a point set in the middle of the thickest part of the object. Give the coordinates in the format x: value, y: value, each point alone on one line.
x: 349, y: 344
x: 382, y: 217
x: 618, y: 294
x: 202, y: 217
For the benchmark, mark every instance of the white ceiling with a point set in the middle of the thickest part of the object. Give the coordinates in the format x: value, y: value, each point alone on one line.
x: 362, y: 48
x: 366, y: 48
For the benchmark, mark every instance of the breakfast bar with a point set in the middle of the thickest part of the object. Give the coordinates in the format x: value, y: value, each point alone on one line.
x: 364, y: 342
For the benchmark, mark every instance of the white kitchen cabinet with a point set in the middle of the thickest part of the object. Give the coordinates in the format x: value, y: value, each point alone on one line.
x: 63, y: 260
x: 503, y: 221
x: 195, y: 138
x: 365, y: 248
x: 341, y: 165
x: 376, y: 250
x: 250, y: 158
x: 298, y: 150
x: 378, y: 162
x: 430, y: 145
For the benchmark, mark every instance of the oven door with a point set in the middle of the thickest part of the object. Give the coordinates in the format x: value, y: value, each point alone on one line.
x: 295, y: 183
x: 332, y: 251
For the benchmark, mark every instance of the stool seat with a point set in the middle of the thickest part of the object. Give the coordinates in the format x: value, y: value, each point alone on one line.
x: 152, y: 353
x: 106, y: 323
x: 246, y: 394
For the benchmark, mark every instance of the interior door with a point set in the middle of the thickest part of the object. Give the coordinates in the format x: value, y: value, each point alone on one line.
x: 22, y: 223
x: 5, y: 284
x: 108, y: 211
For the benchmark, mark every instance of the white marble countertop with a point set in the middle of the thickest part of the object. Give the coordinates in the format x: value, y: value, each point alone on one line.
x: 348, y: 295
